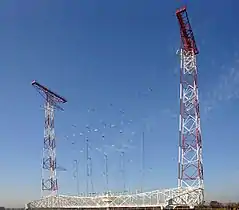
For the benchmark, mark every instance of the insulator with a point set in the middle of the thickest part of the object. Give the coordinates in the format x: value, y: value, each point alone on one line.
x: 121, y: 111
x: 98, y: 149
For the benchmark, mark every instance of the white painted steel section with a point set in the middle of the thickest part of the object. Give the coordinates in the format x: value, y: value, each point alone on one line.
x: 49, y: 151
x: 191, y: 171
x: 158, y: 198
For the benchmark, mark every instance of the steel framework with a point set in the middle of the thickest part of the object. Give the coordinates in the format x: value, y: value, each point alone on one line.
x: 190, y: 190
x: 190, y: 166
x: 49, y: 183
x: 161, y: 199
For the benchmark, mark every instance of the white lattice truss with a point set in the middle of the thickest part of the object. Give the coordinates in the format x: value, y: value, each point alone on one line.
x: 49, y: 180
x: 190, y: 149
x: 158, y: 198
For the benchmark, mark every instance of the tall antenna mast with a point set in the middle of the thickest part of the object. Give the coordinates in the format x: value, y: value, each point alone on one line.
x: 190, y: 166
x: 49, y: 184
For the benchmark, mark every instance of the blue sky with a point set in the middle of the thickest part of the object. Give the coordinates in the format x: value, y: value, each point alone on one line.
x: 97, y: 53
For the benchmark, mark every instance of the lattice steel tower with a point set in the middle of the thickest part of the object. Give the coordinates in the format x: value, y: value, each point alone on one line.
x: 49, y: 185
x: 190, y: 166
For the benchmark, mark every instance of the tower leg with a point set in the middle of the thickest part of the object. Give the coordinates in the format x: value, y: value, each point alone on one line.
x: 49, y: 179
x: 190, y: 143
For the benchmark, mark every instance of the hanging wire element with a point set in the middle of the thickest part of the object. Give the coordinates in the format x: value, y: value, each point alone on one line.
x: 122, y: 154
x: 122, y: 169
x: 143, y: 163
x: 75, y: 161
x: 89, y: 180
x: 106, y: 167
x: 105, y: 158
x: 87, y: 166
x: 106, y: 172
x: 76, y: 176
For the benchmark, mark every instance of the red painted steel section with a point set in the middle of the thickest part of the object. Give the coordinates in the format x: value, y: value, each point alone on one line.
x: 187, y: 37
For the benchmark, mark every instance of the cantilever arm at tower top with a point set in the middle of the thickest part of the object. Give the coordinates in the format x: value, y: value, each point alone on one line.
x: 54, y: 96
x: 49, y: 182
x: 186, y: 32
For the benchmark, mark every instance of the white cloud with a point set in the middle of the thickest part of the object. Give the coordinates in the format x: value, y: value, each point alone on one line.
x: 226, y: 89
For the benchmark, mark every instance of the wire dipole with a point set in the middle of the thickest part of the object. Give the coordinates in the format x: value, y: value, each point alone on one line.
x: 122, y: 168
x: 77, y: 180
x: 76, y: 164
x: 89, y: 180
x: 143, y: 163
x: 76, y: 175
x: 87, y: 166
x: 106, y: 172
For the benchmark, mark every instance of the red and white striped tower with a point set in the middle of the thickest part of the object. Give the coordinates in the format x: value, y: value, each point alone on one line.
x: 49, y: 185
x: 190, y: 165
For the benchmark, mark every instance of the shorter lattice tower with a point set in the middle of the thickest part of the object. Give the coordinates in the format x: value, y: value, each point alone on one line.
x: 190, y: 170
x: 49, y: 185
